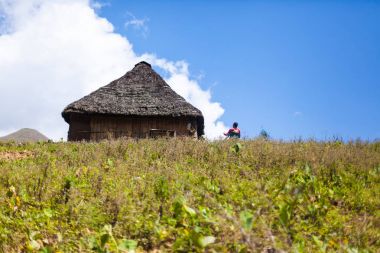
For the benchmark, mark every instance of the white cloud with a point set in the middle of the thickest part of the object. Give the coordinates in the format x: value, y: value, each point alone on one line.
x: 53, y: 52
x: 99, y: 5
x: 297, y: 114
x: 137, y: 24
x: 180, y: 81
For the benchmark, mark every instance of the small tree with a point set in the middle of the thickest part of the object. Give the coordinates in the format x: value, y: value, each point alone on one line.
x: 264, y: 135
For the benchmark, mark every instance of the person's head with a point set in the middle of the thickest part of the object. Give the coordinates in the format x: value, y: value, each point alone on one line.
x: 235, y: 125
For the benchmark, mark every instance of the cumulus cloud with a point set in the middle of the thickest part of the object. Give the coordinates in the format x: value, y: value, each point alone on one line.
x: 53, y: 52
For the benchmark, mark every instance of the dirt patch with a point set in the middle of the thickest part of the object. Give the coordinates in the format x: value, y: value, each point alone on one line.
x: 14, y: 155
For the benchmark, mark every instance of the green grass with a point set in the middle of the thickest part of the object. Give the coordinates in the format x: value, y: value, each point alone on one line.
x: 187, y: 195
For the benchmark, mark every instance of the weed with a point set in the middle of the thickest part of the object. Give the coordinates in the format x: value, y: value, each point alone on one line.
x: 188, y: 195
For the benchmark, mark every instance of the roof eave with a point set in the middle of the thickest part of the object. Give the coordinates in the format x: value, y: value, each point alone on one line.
x: 66, y: 114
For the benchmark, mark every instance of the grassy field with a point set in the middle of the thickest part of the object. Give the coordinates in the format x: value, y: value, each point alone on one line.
x: 190, y: 196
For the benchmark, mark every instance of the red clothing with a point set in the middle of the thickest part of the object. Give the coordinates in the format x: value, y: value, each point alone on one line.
x: 233, y: 131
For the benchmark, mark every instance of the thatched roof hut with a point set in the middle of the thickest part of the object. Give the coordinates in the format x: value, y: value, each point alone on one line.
x: 139, y: 104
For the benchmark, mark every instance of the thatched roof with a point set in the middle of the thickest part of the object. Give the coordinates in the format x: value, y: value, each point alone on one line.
x: 140, y: 92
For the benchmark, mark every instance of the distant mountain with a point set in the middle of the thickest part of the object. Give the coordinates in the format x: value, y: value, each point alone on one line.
x: 25, y: 135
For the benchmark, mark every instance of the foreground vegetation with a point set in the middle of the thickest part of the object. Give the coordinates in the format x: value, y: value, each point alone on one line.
x: 187, y: 195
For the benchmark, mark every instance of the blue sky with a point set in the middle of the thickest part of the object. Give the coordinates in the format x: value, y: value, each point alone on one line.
x: 306, y: 69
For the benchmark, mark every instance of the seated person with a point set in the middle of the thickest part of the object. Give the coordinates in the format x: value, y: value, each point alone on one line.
x: 234, y: 132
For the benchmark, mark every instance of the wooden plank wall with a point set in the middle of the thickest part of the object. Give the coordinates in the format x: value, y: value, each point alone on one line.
x: 79, y: 128
x: 137, y: 127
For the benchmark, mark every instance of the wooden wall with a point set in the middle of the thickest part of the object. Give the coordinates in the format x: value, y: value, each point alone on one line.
x: 80, y: 128
x: 109, y: 127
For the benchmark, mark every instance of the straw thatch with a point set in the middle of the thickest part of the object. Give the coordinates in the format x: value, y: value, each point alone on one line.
x: 140, y: 92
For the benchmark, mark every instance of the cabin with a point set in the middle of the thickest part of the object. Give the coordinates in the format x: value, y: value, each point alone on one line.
x: 139, y: 104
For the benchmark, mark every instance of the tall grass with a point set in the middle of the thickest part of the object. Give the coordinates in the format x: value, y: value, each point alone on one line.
x: 189, y: 195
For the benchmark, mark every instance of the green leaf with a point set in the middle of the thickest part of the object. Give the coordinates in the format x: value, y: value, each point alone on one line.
x: 321, y: 245
x: 93, y: 243
x: 203, y: 241
x: 127, y: 245
x: 189, y: 210
x: 104, y: 239
x: 246, y: 218
x: 177, y: 207
x: 46, y: 250
x: 161, y: 188
x: 108, y: 229
x: 284, y: 215
x: 110, y: 162
x: 48, y: 212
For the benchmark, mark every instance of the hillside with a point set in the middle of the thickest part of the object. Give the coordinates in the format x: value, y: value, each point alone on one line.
x: 190, y: 196
x: 24, y: 135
